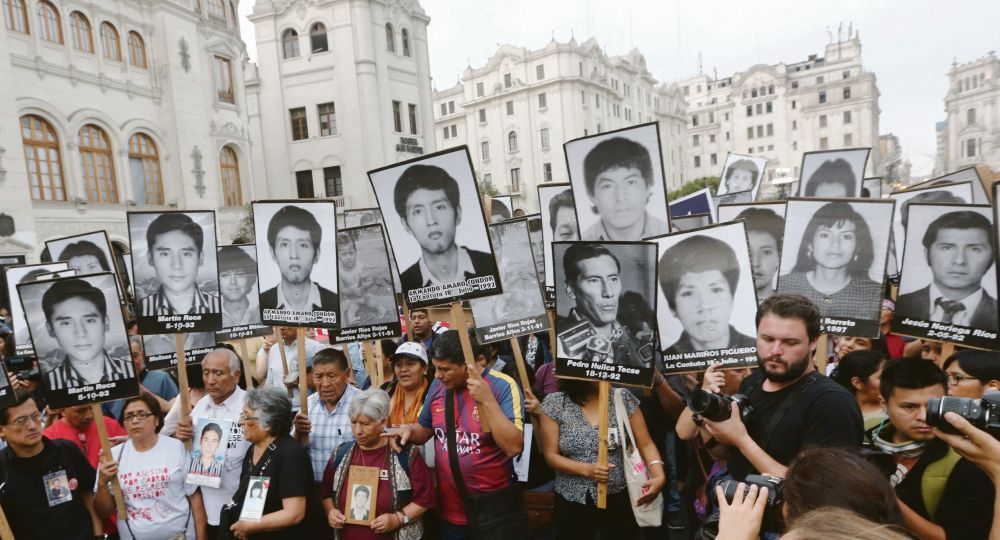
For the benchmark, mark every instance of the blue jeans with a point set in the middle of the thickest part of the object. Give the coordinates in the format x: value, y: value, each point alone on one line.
x: 673, y: 494
x: 448, y: 531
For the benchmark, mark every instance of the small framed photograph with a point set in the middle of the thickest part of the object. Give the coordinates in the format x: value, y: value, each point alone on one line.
x: 606, y: 311
x: 833, y: 173
x: 362, y: 494
x: 699, y: 202
x: 80, y: 340
x: 368, y: 308
x: 948, y: 286
x: 208, y: 457
x: 253, y: 501
x: 741, y: 174
x: 765, y: 225
x: 558, y: 213
x: 177, y: 280
x: 617, y: 177
x: 434, y: 217
x: 87, y: 253
x: 16, y: 275
x: 240, y: 293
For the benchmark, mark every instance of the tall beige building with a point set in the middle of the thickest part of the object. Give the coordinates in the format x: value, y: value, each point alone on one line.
x: 516, y: 112
x: 970, y: 134
x: 783, y: 110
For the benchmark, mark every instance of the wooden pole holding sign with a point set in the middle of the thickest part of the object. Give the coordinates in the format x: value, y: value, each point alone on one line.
x: 300, y: 341
x: 380, y: 365
x: 553, y: 346
x: 819, y: 357
x: 102, y: 433
x: 374, y: 373
x: 603, y: 391
x: 522, y: 370
x: 406, y: 318
x: 182, y: 380
x: 947, y: 349
x: 458, y: 323
x: 5, y: 532
x: 284, y: 360
x: 245, y: 358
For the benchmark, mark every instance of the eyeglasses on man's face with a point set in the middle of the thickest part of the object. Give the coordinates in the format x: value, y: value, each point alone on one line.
x: 22, y: 421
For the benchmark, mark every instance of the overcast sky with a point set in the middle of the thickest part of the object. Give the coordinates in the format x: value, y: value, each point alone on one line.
x: 909, y: 45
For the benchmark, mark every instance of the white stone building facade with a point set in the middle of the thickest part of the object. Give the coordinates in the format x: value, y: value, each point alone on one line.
x: 341, y: 87
x: 970, y: 134
x: 107, y: 107
x: 782, y: 111
x: 516, y: 112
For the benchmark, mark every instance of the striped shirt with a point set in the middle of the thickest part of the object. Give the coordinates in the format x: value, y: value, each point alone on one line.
x: 66, y: 376
x: 328, y: 429
x: 158, y: 304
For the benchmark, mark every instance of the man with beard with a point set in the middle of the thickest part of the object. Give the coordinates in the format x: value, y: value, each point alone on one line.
x: 791, y: 405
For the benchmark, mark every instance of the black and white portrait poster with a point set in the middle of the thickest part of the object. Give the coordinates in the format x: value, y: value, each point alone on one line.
x: 7, y: 397
x: 434, y: 218
x: 968, y: 174
x: 555, y: 201
x: 873, y: 186
x: 741, y: 174
x: 948, y: 284
x: 501, y: 208
x: 765, y: 226
x: 690, y: 221
x: 360, y: 217
x: 88, y: 253
x: 368, y: 309
x: 833, y: 173
x: 699, y: 202
x: 297, y: 262
x: 161, y: 349
x: 617, y: 177
x: 520, y: 309
x: 16, y: 275
x: 732, y: 198
x: 960, y: 193
x: 606, y: 311
x: 834, y: 253
x: 706, y: 303
x: 240, y: 294
x: 176, y: 276
x: 80, y: 340
x: 537, y: 246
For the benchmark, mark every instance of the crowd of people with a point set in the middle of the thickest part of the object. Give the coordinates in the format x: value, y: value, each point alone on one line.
x: 786, y: 448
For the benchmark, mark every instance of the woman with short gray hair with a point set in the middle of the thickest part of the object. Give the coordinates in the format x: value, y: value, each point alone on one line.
x: 403, y: 495
x: 290, y: 507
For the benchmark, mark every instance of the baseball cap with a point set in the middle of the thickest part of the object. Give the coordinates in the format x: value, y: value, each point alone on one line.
x: 412, y: 349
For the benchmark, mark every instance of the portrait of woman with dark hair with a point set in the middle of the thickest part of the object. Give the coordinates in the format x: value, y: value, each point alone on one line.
x: 832, y: 264
x: 764, y: 233
x: 741, y: 175
x: 833, y: 178
x: 698, y: 277
x: 85, y: 257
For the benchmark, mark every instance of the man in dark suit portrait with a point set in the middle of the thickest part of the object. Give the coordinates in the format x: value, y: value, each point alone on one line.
x: 294, y: 238
x: 592, y: 329
x: 959, y: 250
x: 427, y: 201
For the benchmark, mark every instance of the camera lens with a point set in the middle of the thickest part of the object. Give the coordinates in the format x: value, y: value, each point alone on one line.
x: 714, y: 407
x: 967, y: 408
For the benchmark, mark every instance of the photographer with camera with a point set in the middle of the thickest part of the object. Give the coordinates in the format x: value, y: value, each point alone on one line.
x: 941, y: 494
x: 786, y: 405
x: 977, y: 446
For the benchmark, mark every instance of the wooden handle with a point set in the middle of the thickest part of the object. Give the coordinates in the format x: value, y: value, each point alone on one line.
x: 522, y: 370
x: 379, y: 365
x: 102, y: 433
x: 182, y: 380
x: 603, y: 391
x: 553, y: 347
x: 409, y: 325
x: 300, y: 340
x: 947, y: 349
x: 458, y: 323
x: 5, y: 532
x: 819, y: 357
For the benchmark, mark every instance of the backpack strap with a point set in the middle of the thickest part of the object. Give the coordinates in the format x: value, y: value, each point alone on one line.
x: 935, y: 479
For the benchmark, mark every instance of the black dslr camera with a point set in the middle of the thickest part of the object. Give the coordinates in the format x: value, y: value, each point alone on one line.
x: 983, y: 413
x: 772, y: 513
x: 716, y: 407
x: 24, y: 368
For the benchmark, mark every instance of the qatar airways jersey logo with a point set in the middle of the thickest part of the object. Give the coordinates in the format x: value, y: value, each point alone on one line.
x: 466, y: 444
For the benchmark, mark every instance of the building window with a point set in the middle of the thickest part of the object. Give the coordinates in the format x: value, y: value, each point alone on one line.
x: 697, y: 161
x: 750, y: 132
x: 819, y: 80
x: 795, y: 85
x: 232, y: 14
x: 447, y: 133
x: 970, y: 148
x: 42, y: 159
x: 727, y: 135
x: 714, y: 159
x: 970, y: 117
x: 711, y: 138
x: 695, y: 140
x: 304, y: 184
x: 694, y: 118
x: 795, y: 125
x: 488, y: 181
x: 331, y: 181
x: 753, y: 93
x: 770, y: 89
x: 760, y: 108
x: 482, y: 116
x: 327, y: 119
x: 229, y: 172
x: 547, y: 172
x: 83, y: 39
x: 822, y: 96
x: 454, y: 131
x: 136, y: 50
x: 412, y: 110
x: 404, y: 34
x: 224, y: 80
x: 300, y: 123
x: 98, y: 165
x: 848, y: 140
x: 846, y: 74
x: 512, y: 142
x: 480, y: 89
x: 451, y: 107
x: 144, y: 166
x: 847, y: 92
x: 110, y: 43
x: 444, y: 109
x: 824, y: 144
x: 390, y: 38
x: 769, y: 107
x: 749, y: 110
x: 289, y: 44
x: 484, y: 150
x: 49, y: 22
x: 793, y: 103
x: 822, y: 120
x: 545, y: 138
x: 597, y: 101
x: 539, y: 72
x: 15, y: 14
x: 506, y: 80
x: 542, y: 104
x: 217, y: 11
x: 510, y: 108
x: 397, y: 116
x: 318, y: 41
x: 760, y: 131
x: 770, y: 130
x: 515, y: 180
